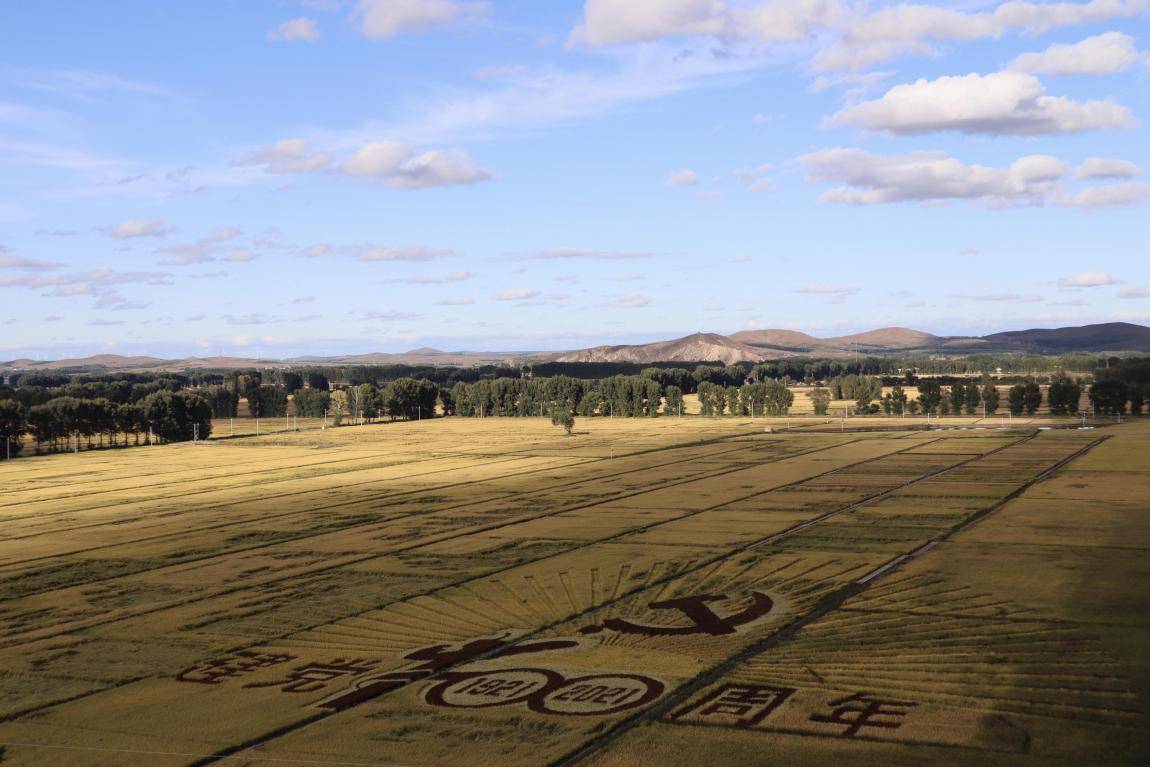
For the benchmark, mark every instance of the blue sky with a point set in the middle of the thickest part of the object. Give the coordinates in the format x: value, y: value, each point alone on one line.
x: 284, y: 177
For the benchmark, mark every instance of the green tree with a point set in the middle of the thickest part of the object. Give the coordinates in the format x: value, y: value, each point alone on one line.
x: 12, y: 418
x: 673, y: 402
x: 957, y: 398
x: 1016, y: 399
x: 973, y: 397
x: 1063, y: 395
x: 561, y: 416
x: 820, y: 399
x: 898, y: 400
x: 990, y: 398
x: 337, y: 405
x: 929, y: 395
x: 1032, y: 397
x: 1109, y: 396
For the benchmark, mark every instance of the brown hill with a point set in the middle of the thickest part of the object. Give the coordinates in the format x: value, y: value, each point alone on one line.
x: 886, y: 338
x: 777, y: 339
x: 112, y: 361
x: 700, y: 347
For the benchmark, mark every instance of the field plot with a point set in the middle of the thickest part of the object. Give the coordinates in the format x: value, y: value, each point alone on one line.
x: 647, y: 592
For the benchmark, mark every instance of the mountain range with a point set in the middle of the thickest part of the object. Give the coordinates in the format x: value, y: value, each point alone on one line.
x: 743, y: 346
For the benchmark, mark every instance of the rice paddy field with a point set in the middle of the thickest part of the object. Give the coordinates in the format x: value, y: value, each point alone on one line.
x: 669, y: 591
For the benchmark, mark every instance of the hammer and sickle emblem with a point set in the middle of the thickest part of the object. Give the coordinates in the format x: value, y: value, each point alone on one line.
x: 704, y: 619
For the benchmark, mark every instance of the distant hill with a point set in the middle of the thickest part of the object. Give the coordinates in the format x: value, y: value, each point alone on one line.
x: 744, y: 346
x: 787, y: 340
x: 1109, y: 336
x: 700, y: 347
x: 886, y: 339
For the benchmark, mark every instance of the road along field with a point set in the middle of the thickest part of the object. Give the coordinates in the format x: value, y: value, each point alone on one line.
x: 647, y: 592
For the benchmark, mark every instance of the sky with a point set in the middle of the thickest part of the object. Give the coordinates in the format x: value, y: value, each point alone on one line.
x: 301, y: 177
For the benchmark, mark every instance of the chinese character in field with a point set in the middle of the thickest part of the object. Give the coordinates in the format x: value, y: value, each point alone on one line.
x: 863, y: 710
x: 433, y: 659
x: 240, y: 664
x: 315, y: 676
x: 743, y: 705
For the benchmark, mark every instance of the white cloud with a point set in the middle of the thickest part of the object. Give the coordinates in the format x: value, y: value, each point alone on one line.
x: 302, y: 29
x: 399, y: 166
x: 998, y: 103
x: 1135, y: 291
x: 851, y: 35
x: 1013, y: 297
x: 388, y: 316
x: 597, y: 255
x: 755, y: 177
x: 925, y: 176
x: 932, y: 176
x: 377, y: 158
x: 240, y: 256
x: 397, y: 252
x: 384, y: 19
x: 607, y: 21
x: 1100, y: 167
x: 515, y: 294
x: 1087, y: 280
x: 894, y: 30
x: 9, y: 260
x: 453, y: 277
x: 202, y: 250
x: 436, y: 168
x: 629, y: 301
x: 141, y: 227
x: 455, y: 302
x: 292, y: 155
x: 1105, y: 196
x: 684, y: 177
x: 1103, y: 54
x: 823, y: 288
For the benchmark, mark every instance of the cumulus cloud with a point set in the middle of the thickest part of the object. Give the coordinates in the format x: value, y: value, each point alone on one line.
x: 201, y: 251
x: 290, y: 155
x: 1105, y: 196
x: 597, y: 255
x: 9, y: 260
x: 1101, y: 167
x: 856, y: 37
x: 1103, y: 54
x: 684, y: 177
x: 301, y: 29
x: 894, y: 30
x: 755, y: 177
x: 933, y: 176
x: 998, y: 103
x: 629, y: 301
x: 1087, y: 280
x: 141, y: 227
x: 516, y: 294
x: 385, y: 19
x: 825, y: 288
x: 607, y: 21
x: 399, y: 166
x: 383, y: 315
x: 100, y: 284
x: 448, y: 278
x: 1013, y: 297
x: 399, y: 253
